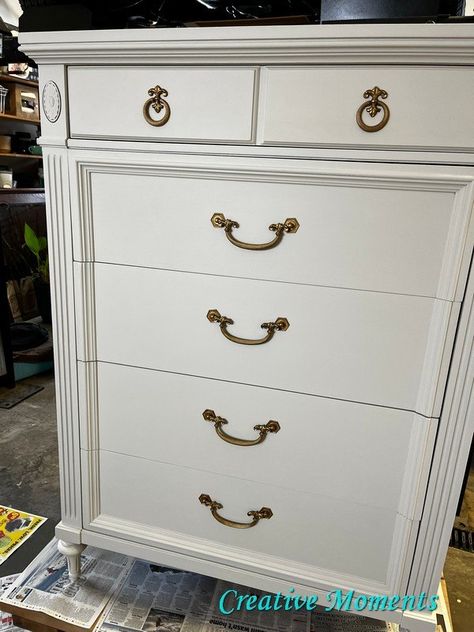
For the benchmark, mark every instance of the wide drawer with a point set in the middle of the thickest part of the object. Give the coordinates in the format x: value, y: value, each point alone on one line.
x: 201, y: 103
x: 318, y: 106
x: 308, y: 535
x: 384, y: 228
x: 384, y: 453
x: 363, y: 346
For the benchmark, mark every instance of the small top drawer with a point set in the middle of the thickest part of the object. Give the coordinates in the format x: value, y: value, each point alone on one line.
x: 421, y: 108
x: 189, y: 104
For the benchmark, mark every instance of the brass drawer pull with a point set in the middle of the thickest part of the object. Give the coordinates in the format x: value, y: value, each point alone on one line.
x: 157, y: 102
x: 290, y: 225
x: 373, y: 107
x: 263, y: 514
x: 280, y: 324
x: 262, y: 429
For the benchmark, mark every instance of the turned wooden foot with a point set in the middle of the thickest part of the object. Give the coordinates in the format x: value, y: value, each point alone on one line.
x: 72, y: 552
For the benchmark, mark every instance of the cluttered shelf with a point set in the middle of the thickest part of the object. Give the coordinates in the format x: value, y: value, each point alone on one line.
x: 19, y: 99
x: 20, y: 156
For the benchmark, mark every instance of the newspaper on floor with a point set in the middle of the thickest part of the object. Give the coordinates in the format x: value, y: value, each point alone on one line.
x: 15, y: 527
x: 154, y: 598
x: 45, y: 585
x: 6, y: 619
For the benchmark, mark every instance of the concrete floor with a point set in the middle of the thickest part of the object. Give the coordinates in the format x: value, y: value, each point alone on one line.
x: 29, y: 467
x: 29, y: 476
x: 29, y: 481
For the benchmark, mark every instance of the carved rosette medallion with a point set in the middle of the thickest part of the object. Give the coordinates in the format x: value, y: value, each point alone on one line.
x: 51, y: 101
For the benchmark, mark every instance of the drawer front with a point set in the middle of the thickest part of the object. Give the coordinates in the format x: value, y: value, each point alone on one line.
x: 402, y: 231
x: 318, y: 106
x: 160, y: 503
x: 382, y: 450
x: 202, y: 103
x: 361, y: 346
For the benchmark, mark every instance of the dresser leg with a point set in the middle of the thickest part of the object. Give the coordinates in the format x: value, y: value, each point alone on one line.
x: 72, y: 552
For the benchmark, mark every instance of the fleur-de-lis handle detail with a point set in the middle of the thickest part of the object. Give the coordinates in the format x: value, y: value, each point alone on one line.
x: 158, y: 103
x: 373, y: 106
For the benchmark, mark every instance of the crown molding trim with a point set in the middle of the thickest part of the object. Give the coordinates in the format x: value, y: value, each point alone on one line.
x: 444, y: 44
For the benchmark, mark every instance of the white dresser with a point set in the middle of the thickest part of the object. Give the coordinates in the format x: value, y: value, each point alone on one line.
x: 260, y: 242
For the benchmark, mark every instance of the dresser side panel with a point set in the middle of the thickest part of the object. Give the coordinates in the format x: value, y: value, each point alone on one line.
x: 62, y: 299
x: 450, y: 457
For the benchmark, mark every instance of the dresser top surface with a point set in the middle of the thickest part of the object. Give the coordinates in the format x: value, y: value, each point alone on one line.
x: 360, y: 43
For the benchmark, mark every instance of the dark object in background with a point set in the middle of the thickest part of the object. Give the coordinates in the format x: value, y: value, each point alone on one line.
x: 174, y: 13
x: 10, y: 52
x: 16, y: 208
x: 43, y: 299
x: 9, y: 47
x: 387, y: 10
x: 50, y: 15
x: 21, y: 141
x: 27, y: 336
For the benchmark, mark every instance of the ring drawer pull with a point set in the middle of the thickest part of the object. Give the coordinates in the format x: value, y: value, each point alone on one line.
x: 290, y: 225
x: 263, y: 514
x: 262, y: 429
x: 373, y: 107
x: 280, y: 324
x: 157, y: 102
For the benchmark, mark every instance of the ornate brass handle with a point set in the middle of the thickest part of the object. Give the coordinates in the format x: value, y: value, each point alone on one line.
x: 373, y: 107
x: 290, y: 225
x: 157, y: 102
x: 280, y: 324
x: 265, y: 513
x: 262, y: 429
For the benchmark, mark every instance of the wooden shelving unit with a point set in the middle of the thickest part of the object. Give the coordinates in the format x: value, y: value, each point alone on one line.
x: 8, y: 79
x: 6, y: 154
x: 12, y: 79
x: 10, y: 117
x: 20, y: 163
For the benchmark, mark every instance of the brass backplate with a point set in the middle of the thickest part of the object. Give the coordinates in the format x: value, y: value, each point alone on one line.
x: 218, y: 220
x: 291, y: 225
x: 213, y: 316
x: 282, y: 324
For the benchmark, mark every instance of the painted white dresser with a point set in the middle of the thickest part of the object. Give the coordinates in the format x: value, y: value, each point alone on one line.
x: 260, y: 242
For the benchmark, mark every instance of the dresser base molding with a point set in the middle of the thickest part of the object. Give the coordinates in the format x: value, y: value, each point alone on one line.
x: 412, y: 621
x: 418, y: 622
x: 281, y: 569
